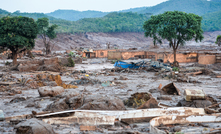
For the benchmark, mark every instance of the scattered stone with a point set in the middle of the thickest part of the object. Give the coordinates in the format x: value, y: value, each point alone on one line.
x: 151, y: 103
x: 194, y: 103
x: 194, y: 94
x: 34, y: 126
x: 137, y: 99
x: 17, y: 99
x: 50, y: 91
x: 84, y: 81
x: 123, y: 78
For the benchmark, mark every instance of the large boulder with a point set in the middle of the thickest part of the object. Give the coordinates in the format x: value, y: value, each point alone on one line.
x: 50, y: 91
x: 33, y: 126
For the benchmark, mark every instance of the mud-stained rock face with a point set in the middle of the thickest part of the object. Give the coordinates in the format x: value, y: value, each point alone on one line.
x: 34, y: 126
x: 87, y: 103
x: 50, y: 91
x: 103, y: 103
x: 137, y: 99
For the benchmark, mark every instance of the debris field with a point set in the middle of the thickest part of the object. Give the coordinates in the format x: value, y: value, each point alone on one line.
x: 42, y: 95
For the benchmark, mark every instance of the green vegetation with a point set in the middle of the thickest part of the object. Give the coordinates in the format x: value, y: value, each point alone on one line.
x: 130, y: 20
x: 73, y: 15
x: 212, y: 21
x: 70, y: 62
x: 17, y: 34
x: 199, y: 7
x: 176, y: 27
x: 113, y: 22
x: 218, y: 40
x: 46, y: 32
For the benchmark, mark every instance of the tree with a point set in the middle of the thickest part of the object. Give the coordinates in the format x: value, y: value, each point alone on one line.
x: 218, y: 40
x: 176, y: 27
x: 46, y: 32
x: 17, y: 34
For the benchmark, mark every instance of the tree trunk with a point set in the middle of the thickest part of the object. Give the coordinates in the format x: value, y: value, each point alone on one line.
x: 175, y: 63
x: 14, y: 55
x: 48, y: 49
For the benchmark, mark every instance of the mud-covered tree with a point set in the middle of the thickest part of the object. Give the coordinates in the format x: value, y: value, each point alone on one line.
x: 218, y: 40
x: 176, y: 27
x: 17, y: 34
x: 46, y: 32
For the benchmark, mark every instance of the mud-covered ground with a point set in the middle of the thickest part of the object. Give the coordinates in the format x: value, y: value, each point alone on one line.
x: 20, y: 99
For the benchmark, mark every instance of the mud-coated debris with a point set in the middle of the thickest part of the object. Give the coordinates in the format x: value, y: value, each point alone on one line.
x: 153, y: 90
x: 164, y: 98
x: 194, y: 103
x: 87, y: 103
x: 171, y: 89
x: 123, y: 78
x: 176, y: 129
x: 17, y: 99
x: 34, y: 126
x: 137, y: 99
x: 151, y: 103
x: 102, y: 103
x: 50, y: 91
x: 31, y: 104
x: 85, y: 81
x: 58, y: 105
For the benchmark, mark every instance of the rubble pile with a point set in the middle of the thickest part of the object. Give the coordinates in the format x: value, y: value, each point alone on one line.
x: 43, y: 96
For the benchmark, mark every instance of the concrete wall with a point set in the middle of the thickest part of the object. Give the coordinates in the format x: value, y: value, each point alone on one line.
x: 181, y: 58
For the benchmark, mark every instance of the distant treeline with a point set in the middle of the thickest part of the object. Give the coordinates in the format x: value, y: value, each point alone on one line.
x: 113, y: 22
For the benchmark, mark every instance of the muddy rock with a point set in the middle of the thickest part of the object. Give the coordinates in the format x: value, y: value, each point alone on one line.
x: 17, y: 99
x: 85, y: 81
x: 58, y: 105
x: 87, y: 103
x: 50, y: 91
x: 137, y: 99
x: 151, y: 103
x: 123, y: 78
x: 103, y: 103
x: 34, y: 126
x: 194, y: 103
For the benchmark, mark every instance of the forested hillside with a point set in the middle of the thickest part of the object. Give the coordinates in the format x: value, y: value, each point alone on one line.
x: 212, y: 21
x: 199, y: 7
x: 113, y: 22
x: 73, y: 15
x: 123, y: 21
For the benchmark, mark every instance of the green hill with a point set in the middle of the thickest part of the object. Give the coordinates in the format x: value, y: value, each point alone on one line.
x: 199, y: 7
x: 212, y: 21
x: 113, y: 22
x: 73, y: 15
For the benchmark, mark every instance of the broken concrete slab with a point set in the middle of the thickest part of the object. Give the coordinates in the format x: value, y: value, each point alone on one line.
x: 50, y: 91
x: 194, y: 94
x: 130, y: 116
x: 88, y: 119
x: 34, y: 126
x: 181, y: 119
x: 171, y: 89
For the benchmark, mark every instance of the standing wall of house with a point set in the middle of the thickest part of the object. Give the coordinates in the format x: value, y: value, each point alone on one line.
x: 181, y: 58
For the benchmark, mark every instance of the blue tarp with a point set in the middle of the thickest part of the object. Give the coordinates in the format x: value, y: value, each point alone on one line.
x: 128, y: 65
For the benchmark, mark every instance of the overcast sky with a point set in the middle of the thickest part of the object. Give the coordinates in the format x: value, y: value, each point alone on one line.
x: 46, y: 6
